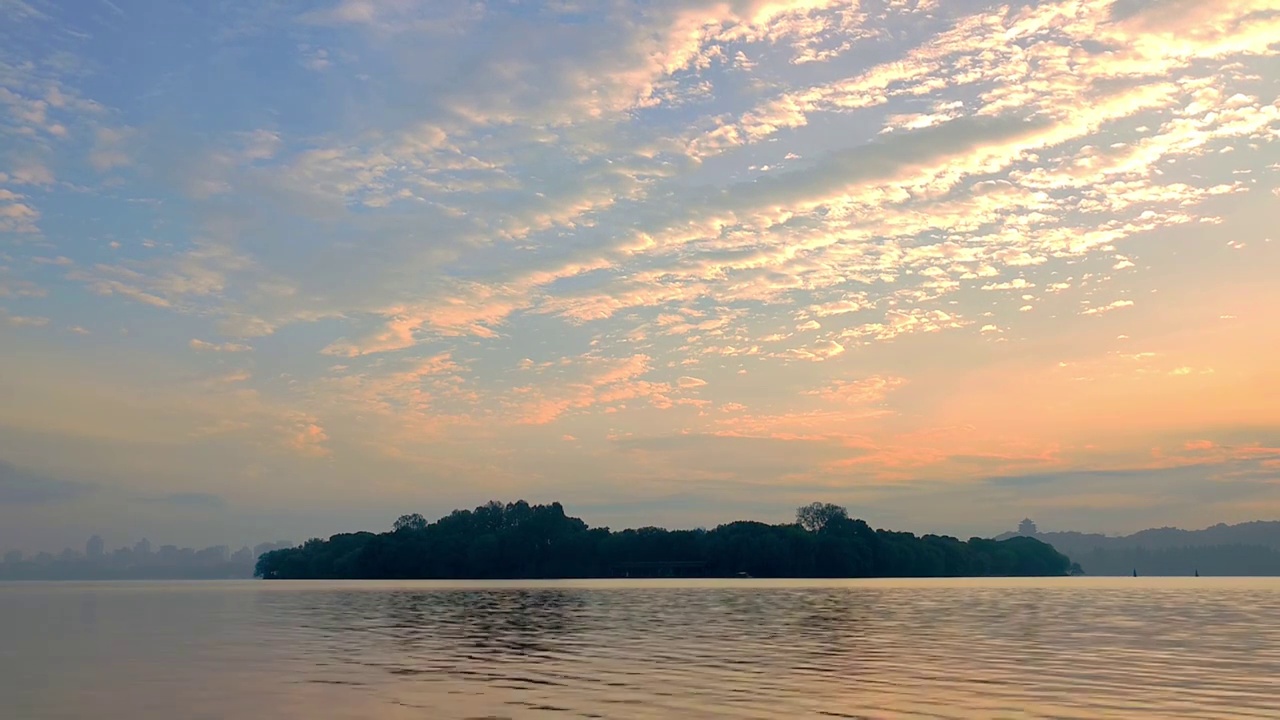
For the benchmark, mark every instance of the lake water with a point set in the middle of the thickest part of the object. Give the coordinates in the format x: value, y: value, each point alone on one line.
x: 1060, y: 648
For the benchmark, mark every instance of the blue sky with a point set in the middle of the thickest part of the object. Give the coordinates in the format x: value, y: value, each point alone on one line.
x: 670, y: 262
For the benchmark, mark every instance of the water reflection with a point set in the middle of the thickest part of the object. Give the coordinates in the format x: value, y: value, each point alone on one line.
x: 937, y: 649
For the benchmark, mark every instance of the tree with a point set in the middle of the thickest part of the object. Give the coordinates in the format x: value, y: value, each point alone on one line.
x: 410, y: 522
x: 519, y: 540
x: 815, y: 516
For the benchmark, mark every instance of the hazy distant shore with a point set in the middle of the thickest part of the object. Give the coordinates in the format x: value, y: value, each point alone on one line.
x: 1243, y: 550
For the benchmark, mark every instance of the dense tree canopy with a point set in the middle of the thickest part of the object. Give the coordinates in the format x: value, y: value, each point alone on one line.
x: 410, y: 522
x: 815, y: 516
x: 518, y: 540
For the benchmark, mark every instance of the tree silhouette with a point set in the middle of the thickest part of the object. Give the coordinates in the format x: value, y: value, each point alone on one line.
x: 816, y: 516
x: 414, y: 521
x: 519, y: 540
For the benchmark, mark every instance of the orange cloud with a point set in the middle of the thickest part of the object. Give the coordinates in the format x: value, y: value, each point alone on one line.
x: 307, y: 437
x: 860, y: 392
x: 397, y: 335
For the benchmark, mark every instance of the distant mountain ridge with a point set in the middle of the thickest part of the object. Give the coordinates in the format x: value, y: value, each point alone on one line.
x: 1259, y: 532
x: 1251, y: 548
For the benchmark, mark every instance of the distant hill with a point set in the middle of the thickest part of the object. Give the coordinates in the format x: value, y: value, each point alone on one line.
x: 1251, y: 548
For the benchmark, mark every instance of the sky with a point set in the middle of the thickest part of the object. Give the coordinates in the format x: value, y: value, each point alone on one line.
x: 273, y: 269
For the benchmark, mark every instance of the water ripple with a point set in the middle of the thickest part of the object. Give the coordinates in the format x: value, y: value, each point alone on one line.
x: 1067, y: 648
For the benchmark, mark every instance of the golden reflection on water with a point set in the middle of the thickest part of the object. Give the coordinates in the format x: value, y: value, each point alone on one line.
x: 1061, y: 648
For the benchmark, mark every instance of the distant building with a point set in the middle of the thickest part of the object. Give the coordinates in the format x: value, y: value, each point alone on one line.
x: 13, y: 557
x: 143, y: 548
x: 94, y: 548
x: 213, y: 555
x: 1026, y: 527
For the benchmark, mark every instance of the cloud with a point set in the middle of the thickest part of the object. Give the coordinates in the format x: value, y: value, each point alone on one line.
x: 634, y: 53
x: 866, y: 391
x: 607, y: 382
x: 60, y: 260
x: 17, y: 217
x: 817, y: 352
x: 228, y: 347
x: 108, y: 149
x: 398, y: 335
x: 116, y: 287
x: 31, y: 174
x: 1015, y: 284
x: 690, y: 382
x: 20, y: 10
x: 233, y: 377
x: 26, y: 320
x: 244, y: 326
x: 305, y: 436
x: 906, y: 322
x: 24, y: 487
x: 193, y: 280
x: 1102, y: 309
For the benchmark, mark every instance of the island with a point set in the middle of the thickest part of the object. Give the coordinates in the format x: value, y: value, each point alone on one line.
x: 522, y: 541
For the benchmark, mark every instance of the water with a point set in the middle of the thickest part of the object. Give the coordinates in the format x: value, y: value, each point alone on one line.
x: 1060, y: 648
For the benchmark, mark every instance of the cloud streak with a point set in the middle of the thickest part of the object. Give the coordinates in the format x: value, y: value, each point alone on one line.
x: 227, y: 347
x: 24, y: 487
